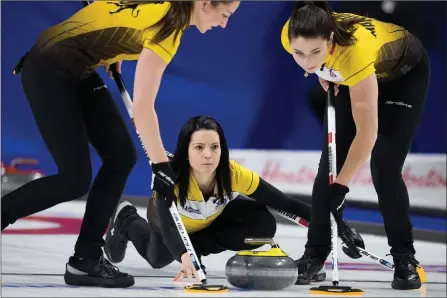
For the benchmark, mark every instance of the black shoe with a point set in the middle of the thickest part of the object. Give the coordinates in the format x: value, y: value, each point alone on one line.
x: 320, y: 276
x: 95, y: 273
x: 406, y: 276
x: 310, y: 269
x: 116, y: 243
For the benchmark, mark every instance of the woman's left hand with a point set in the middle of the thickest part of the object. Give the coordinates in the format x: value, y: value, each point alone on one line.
x: 187, y: 269
x: 337, y: 194
x: 325, y: 85
x: 118, y: 68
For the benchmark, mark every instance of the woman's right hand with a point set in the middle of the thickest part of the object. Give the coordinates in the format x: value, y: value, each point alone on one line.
x: 325, y: 85
x: 186, y: 269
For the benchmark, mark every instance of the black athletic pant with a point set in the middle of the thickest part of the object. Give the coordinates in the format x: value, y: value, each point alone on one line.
x: 70, y: 116
x: 239, y: 220
x: 401, y: 105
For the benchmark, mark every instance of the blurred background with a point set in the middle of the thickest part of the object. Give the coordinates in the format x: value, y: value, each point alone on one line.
x: 245, y: 79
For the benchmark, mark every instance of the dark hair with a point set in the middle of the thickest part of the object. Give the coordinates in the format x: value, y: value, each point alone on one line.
x: 176, y: 20
x: 180, y: 163
x: 315, y: 19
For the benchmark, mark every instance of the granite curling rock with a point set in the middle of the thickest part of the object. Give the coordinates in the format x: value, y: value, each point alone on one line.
x: 261, y: 270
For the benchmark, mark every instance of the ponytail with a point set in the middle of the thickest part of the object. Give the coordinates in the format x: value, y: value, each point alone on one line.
x: 176, y: 20
x: 316, y: 19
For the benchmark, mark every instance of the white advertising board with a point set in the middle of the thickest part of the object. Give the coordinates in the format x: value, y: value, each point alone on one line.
x: 293, y: 172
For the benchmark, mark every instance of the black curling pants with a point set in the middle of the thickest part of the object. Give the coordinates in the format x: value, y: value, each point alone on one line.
x: 401, y: 105
x: 71, y: 116
x: 239, y: 220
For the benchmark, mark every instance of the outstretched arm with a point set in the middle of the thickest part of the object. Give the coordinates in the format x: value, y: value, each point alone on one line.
x: 364, y: 97
x: 148, y: 74
x: 171, y: 236
x: 271, y: 196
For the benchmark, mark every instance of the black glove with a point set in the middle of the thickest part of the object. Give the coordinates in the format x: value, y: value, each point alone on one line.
x: 164, y: 181
x: 337, y: 203
x: 337, y: 193
x: 170, y: 156
x: 356, y: 238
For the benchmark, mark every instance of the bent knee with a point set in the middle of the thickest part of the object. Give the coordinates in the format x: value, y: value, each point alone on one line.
x: 76, y: 183
x: 123, y: 159
x: 383, y: 172
x: 129, y: 157
x: 265, y: 224
x: 270, y: 225
x: 75, y: 178
x: 158, y: 264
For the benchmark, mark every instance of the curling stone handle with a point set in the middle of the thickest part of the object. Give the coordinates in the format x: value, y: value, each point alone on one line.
x: 23, y: 161
x: 257, y: 241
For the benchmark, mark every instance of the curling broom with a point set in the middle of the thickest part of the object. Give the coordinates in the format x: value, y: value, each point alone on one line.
x: 195, y: 288
x: 335, y: 289
x: 375, y: 258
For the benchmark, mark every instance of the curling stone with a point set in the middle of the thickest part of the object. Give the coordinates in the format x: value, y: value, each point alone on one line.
x: 13, y: 176
x: 261, y: 270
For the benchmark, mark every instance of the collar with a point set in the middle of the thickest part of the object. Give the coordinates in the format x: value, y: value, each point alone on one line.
x: 194, y: 189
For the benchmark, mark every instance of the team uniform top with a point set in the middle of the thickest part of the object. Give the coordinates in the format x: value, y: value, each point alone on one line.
x: 197, y: 213
x: 103, y: 33
x: 384, y: 48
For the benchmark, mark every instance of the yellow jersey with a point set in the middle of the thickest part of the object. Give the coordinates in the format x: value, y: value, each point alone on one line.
x: 197, y: 214
x: 103, y: 33
x: 384, y: 48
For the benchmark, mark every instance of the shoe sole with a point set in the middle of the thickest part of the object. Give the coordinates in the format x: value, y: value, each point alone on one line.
x: 317, y: 278
x: 406, y: 285
x: 90, y: 281
x: 109, y: 232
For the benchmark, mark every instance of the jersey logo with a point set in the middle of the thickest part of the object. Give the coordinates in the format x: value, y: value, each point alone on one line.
x: 220, y: 203
x: 201, y: 210
x: 329, y: 74
x: 97, y: 88
x: 122, y: 5
x: 191, y: 210
x: 332, y: 74
x: 365, y: 22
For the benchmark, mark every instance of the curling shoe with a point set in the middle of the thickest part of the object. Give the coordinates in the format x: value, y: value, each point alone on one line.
x: 116, y: 242
x: 310, y: 269
x: 95, y: 273
x: 406, y: 276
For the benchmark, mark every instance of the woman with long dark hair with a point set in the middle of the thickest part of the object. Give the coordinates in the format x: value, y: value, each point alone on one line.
x: 382, y: 75
x: 73, y: 107
x: 207, y: 186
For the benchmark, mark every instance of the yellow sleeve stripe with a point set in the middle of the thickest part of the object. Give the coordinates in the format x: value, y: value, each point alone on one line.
x: 253, y: 184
